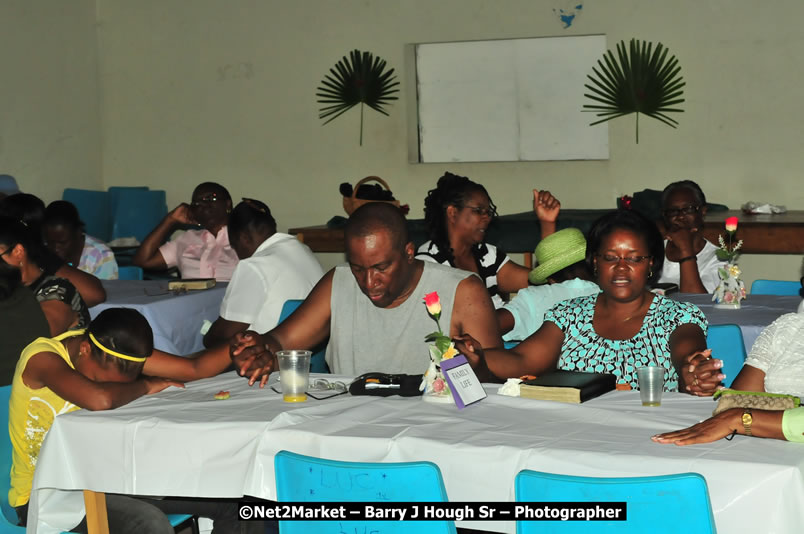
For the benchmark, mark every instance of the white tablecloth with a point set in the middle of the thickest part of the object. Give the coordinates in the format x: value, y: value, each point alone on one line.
x: 176, y: 319
x: 184, y: 443
x: 755, y: 313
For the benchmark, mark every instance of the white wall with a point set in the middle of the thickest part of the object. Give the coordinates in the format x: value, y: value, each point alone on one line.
x: 49, y: 99
x: 194, y: 90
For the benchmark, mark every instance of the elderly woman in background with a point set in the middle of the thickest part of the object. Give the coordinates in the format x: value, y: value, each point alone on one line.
x: 30, y: 210
x: 623, y: 327
x: 458, y: 213
x: 64, y: 235
x: 691, y: 260
x: 203, y: 253
x: 60, y: 301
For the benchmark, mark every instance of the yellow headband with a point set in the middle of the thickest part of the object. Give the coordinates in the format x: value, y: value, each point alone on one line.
x: 115, y: 354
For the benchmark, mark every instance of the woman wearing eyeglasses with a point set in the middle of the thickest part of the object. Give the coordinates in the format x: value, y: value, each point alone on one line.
x: 458, y: 213
x: 202, y: 253
x: 691, y: 260
x: 623, y: 327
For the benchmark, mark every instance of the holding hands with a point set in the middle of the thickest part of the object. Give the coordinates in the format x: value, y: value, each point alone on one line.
x: 701, y: 373
x: 471, y: 349
x: 252, y: 357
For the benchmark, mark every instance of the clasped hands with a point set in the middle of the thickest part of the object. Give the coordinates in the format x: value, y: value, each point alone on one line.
x: 701, y: 373
x: 252, y: 357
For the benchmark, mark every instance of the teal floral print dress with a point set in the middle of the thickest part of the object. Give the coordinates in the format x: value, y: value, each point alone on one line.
x: 584, y: 350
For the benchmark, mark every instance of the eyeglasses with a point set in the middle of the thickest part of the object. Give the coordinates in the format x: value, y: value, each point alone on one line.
x: 206, y: 200
x: 322, y: 385
x: 630, y: 260
x: 686, y: 210
x: 478, y: 210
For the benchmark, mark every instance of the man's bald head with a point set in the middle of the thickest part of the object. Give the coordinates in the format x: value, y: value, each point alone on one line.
x: 373, y: 217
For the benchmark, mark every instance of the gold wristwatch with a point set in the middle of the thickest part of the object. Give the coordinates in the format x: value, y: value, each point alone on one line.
x: 747, y: 420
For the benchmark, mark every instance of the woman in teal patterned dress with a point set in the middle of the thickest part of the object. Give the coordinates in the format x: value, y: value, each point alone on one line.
x: 623, y: 327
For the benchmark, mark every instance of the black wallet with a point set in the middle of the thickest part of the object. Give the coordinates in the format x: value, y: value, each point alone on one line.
x: 385, y: 385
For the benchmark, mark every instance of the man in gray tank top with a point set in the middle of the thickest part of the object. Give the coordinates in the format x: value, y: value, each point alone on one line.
x: 372, y: 309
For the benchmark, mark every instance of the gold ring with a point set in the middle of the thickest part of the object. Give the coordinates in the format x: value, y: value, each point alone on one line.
x: 695, y: 382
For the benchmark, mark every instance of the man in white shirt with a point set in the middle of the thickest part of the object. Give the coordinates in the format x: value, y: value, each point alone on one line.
x: 273, y: 268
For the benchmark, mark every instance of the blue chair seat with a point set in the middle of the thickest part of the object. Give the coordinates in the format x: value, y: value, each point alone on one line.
x: 776, y: 287
x: 302, y: 478
x: 93, y: 208
x: 726, y: 342
x: 657, y: 504
x: 129, y: 272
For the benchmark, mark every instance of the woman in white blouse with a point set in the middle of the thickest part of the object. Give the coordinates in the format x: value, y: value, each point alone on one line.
x: 776, y: 361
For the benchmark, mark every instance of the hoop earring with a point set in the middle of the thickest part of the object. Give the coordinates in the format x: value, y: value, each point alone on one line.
x: 650, y: 274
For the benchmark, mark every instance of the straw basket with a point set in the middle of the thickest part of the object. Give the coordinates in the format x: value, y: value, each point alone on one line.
x: 350, y: 204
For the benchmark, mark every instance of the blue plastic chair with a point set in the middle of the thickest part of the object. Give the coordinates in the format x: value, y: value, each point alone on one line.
x: 129, y: 272
x: 8, y: 521
x: 135, y: 212
x: 317, y: 362
x: 94, y: 209
x: 726, y: 342
x: 775, y: 287
x: 307, y: 479
x: 657, y: 504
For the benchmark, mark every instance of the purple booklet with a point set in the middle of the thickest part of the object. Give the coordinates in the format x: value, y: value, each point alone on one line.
x: 462, y: 381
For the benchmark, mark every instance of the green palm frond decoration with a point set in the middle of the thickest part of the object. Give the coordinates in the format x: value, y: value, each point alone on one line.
x: 644, y: 81
x: 359, y: 79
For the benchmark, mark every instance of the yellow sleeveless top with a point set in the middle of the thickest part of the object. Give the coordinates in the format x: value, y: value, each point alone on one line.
x: 30, y: 415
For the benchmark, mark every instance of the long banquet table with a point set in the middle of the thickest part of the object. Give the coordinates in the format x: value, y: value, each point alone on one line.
x: 176, y: 318
x: 755, y: 312
x: 184, y: 443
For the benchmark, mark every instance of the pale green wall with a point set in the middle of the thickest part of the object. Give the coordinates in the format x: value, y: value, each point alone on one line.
x: 194, y: 90
x: 204, y: 89
x: 49, y: 100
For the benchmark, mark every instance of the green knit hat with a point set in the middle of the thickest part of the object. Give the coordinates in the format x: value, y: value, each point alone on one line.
x: 557, y: 251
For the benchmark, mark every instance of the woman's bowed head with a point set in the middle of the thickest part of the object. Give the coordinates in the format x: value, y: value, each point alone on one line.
x: 731, y: 224
x: 433, y: 304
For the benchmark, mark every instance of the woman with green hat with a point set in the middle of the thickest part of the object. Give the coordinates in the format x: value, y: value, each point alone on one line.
x: 561, y: 274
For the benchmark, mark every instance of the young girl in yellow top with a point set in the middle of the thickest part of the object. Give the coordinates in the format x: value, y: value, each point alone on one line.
x: 108, y: 365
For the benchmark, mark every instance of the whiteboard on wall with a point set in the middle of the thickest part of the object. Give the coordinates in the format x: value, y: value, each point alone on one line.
x: 508, y: 100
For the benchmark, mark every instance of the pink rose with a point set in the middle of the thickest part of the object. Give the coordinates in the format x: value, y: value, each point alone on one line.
x: 728, y: 297
x: 433, y: 303
x: 731, y: 224
x: 438, y: 385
